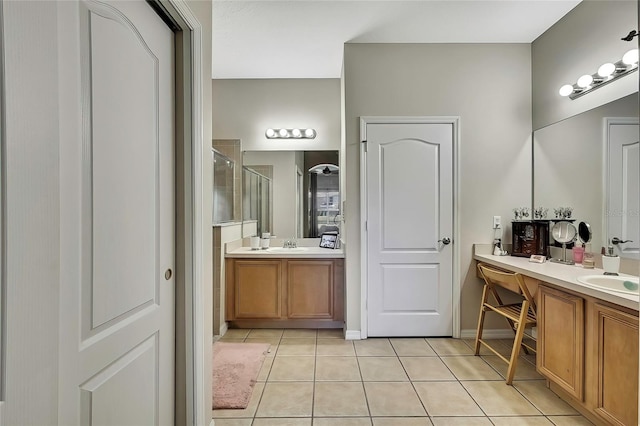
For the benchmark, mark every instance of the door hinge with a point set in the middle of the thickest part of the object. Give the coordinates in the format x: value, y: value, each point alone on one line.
x: 365, y: 145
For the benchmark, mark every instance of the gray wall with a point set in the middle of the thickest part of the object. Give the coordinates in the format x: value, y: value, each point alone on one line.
x: 244, y: 109
x: 578, y: 44
x: 489, y: 87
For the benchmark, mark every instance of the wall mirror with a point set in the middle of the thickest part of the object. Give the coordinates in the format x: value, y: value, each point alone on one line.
x: 590, y: 162
x: 302, y: 198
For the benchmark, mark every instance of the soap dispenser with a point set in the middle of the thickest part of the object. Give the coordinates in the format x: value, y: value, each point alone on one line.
x: 610, y: 262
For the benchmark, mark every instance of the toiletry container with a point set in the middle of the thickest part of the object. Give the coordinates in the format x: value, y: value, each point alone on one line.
x: 578, y: 253
x: 610, y: 262
x: 588, y: 262
x: 264, y: 242
x: 254, y: 241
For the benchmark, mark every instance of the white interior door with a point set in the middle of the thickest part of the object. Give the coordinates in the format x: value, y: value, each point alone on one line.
x: 409, y: 181
x: 623, y: 187
x: 117, y: 215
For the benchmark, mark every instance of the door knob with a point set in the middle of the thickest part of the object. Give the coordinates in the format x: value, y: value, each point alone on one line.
x: 445, y: 241
x: 616, y: 240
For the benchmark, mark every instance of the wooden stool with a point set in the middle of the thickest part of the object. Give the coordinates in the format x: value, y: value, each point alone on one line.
x: 519, y: 315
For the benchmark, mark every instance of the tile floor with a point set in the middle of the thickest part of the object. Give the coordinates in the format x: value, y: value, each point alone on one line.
x: 315, y: 377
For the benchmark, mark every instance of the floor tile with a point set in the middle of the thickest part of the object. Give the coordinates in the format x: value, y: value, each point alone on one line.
x: 497, y: 344
x: 521, y: 421
x: 426, y: 368
x: 381, y: 369
x: 341, y: 421
x: 499, y: 399
x: 374, y: 347
x: 281, y: 399
x: 343, y: 368
x: 236, y: 333
x: 250, y: 411
x: 331, y: 333
x: 412, y: 347
x: 447, y: 346
x: 470, y: 368
x: 280, y: 422
x: 231, y: 339
x: 446, y: 399
x: 288, y: 368
x: 570, y: 421
x: 234, y: 422
x: 299, y: 332
x: 334, y: 347
x: 524, y: 369
x: 339, y: 399
x: 543, y: 398
x: 461, y: 421
x: 297, y: 346
x: 315, y: 377
x: 273, y: 341
x: 401, y: 421
x: 266, y: 369
x: 393, y: 399
x: 265, y: 332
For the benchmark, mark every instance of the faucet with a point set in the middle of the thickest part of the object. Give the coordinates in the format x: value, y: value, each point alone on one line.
x: 290, y: 244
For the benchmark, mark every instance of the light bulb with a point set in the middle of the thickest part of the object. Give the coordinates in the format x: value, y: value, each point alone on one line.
x: 585, y: 81
x: 631, y: 57
x: 296, y: 133
x: 606, y: 70
x: 283, y: 133
x: 566, y: 90
x: 270, y: 133
x: 310, y: 133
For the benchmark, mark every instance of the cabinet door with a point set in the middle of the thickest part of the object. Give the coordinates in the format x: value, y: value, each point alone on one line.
x: 257, y: 289
x: 560, y: 355
x: 617, y: 355
x: 310, y: 289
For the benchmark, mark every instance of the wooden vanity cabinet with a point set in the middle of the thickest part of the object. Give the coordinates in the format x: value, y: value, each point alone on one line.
x: 560, y: 354
x: 615, y: 365
x: 588, y: 349
x: 285, y: 292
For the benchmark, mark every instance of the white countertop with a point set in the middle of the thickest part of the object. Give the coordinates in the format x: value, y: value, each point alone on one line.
x: 564, y: 276
x: 279, y: 252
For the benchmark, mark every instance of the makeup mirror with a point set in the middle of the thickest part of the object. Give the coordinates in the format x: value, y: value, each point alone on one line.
x: 564, y: 232
x: 584, y: 232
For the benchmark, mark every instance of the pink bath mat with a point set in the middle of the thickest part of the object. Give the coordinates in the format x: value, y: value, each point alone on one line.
x: 235, y: 370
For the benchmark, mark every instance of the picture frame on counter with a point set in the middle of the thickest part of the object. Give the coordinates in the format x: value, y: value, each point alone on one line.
x: 329, y: 241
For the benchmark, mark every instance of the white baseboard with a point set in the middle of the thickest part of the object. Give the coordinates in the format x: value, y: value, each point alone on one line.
x: 223, y: 328
x: 496, y: 333
x: 352, y: 335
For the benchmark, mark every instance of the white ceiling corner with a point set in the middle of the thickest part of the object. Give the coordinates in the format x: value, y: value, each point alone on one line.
x: 305, y: 38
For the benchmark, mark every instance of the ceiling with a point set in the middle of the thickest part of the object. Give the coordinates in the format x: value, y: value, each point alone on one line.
x: 305, y: 38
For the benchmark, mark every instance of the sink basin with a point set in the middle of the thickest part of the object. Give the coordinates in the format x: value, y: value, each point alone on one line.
x: 628, y: 285
x: 287, y: 250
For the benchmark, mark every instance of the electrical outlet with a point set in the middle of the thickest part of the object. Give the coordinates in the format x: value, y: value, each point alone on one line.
x: 497, y: 222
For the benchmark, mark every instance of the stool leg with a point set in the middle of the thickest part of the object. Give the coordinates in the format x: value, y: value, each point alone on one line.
x: 485, y: 294
x: 515, y: 351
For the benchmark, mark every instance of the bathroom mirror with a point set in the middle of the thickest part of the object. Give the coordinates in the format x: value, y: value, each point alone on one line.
x: 571, y: 160
x: 304, y: 194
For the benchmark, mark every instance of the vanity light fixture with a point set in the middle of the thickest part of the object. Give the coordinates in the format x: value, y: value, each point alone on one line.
x: 606, y: 74
x: 290, y: 133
